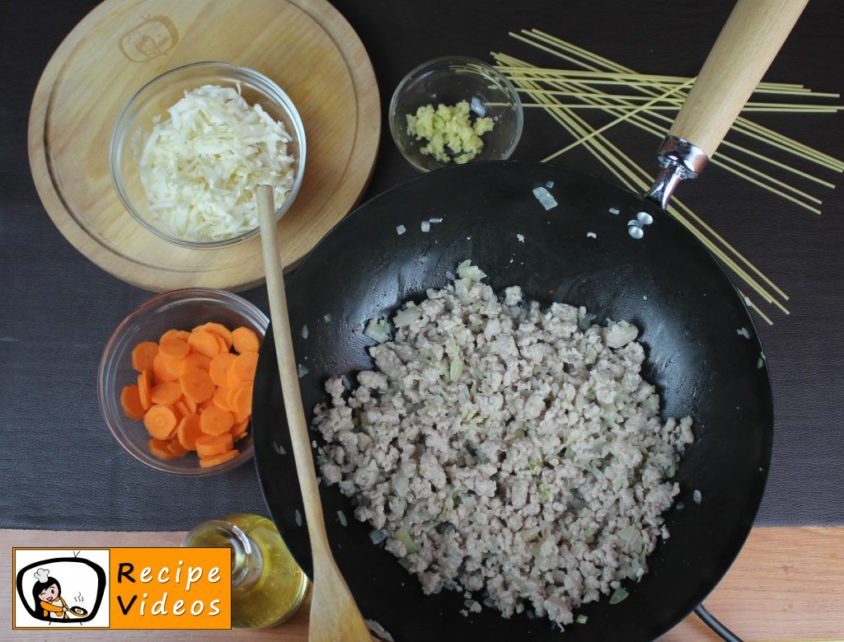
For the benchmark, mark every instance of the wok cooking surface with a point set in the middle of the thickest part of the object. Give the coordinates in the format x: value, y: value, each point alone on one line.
x: 690, y: 319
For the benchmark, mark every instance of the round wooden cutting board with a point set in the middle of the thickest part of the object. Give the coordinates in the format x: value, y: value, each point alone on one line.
x: 306, y: 46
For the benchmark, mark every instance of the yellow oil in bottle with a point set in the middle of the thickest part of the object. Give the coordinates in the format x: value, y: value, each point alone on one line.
x: 267, y: 584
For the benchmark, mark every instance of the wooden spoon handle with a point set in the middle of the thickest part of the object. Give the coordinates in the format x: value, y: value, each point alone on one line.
x: 334, y: 614
x: 751, y: 37
x: 287, y: 371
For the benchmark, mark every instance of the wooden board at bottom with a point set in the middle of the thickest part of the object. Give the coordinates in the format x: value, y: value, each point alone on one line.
x: 306, y: 46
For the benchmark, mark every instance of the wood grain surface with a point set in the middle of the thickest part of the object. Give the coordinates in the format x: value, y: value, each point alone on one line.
x: 306, y: 46
x: 753, y: 35
x: 786, y: 585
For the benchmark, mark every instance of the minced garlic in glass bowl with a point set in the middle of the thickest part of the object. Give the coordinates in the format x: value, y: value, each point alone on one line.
x: 449, y: 132
x: 455, y: 110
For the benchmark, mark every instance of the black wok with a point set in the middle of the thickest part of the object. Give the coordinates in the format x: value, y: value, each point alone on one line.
x: 665, y: 283
x: 692, y: 324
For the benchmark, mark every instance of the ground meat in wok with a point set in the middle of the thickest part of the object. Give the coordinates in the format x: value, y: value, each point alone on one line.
x: 506, y: 449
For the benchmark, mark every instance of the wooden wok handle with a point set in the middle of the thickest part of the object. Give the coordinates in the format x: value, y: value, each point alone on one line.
x: 752, y: 36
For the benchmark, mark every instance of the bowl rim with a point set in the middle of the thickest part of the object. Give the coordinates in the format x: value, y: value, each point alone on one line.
x: 120, y: 130
x: 487, y: 70
x: 180, y: 295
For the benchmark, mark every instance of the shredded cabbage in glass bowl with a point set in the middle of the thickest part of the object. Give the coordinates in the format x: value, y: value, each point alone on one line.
x: 193, y: 144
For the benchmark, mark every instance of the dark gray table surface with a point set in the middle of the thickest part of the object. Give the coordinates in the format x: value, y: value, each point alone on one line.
x: 61, y: 469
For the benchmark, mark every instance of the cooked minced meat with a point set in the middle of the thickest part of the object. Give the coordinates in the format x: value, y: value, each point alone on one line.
x: 506, y: 450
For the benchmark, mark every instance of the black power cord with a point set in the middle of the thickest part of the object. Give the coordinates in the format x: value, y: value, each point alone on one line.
x: 712, y: 622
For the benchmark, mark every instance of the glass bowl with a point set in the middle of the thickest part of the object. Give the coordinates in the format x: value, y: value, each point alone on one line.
x: 181, y: 309
x: 156, y: 97
x: 448, y: 81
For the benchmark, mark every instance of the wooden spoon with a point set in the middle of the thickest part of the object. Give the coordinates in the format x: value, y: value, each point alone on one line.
x: 334, y: 614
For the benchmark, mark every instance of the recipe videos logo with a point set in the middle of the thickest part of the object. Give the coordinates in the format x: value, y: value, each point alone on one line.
x: 121, y: 588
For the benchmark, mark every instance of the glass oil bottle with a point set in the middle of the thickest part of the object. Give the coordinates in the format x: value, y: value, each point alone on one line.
x: 267, y: 585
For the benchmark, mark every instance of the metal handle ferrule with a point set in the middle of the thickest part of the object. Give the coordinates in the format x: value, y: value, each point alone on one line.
x: 679, y: 160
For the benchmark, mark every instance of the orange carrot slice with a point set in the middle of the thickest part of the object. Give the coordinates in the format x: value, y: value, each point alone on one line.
x: 219, y: 367
x: 195, y: 360
x: 215, y: 421
x: 174, y: 348
x: 232, y: 379
x: 130, y: 401
x: 230, y: 393
x: 143, y: 354
x: 197, y: 385
x: 145, y: 389
x: 239, y: 430
x: 166, y: 393
x: 174, y: 334
x: 210, y: 445
x: 178, y: 414
x: 242, y: 370
x: 165, y: 368
x: 160, y: 449
x: 160, y: 422
x: 181, y: 408
x: 245, y: 340
x: 241, y: 403
x: 216, y: 460
x: 188, y: 431
x: 221, y: 399
x: 221, y: 331
x: 176, y: 448
x: 204, y: 342
x: 190, y: 403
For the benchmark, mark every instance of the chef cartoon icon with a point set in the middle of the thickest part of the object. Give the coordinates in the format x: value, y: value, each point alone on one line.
x: 51, y: 589
x: 48, y: 598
